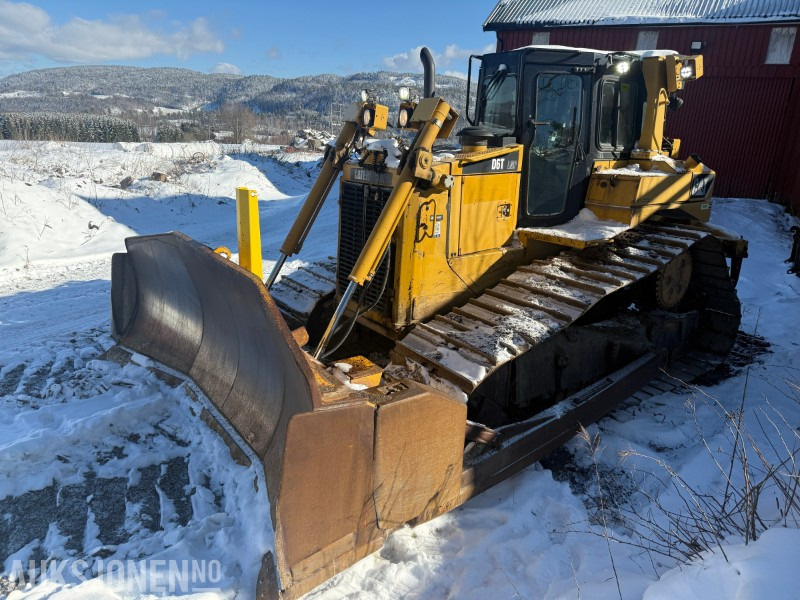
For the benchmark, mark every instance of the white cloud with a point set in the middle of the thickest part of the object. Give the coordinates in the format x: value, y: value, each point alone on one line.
x: 224, y: 67
x: 274, y: 53
x: 27, y: 31
x: 453, y: 55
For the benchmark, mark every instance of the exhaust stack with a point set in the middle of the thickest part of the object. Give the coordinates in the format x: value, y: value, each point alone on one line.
x: 429, y: 69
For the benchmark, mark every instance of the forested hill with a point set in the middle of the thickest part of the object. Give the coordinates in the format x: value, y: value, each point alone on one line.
x: 121, y: 90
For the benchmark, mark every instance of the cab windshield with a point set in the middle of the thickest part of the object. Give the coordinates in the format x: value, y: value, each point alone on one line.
x: 498, y: 100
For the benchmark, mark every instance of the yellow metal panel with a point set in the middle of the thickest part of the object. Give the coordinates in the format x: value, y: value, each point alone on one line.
x: 381, y: 116
x: 427, y: 110
x: 361, y: 371
x: 432, y: 271
x: 248, y: 231
x: 462, y: 161
x: 631, y: 199
x: 553, y: 238
x: 698, y: 65
x: 673, y: 70
x: 488, y: 211
x: 655, y: 77
x: 424, y: 244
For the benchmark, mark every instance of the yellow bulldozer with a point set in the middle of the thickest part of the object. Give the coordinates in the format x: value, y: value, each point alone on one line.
x: 486, y: 300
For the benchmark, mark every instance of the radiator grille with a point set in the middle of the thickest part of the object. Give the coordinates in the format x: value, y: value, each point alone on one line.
x: 359, y: 208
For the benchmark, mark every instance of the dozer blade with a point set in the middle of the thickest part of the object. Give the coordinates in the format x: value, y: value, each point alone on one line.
x: 342, y: 469
x: 187, y: 307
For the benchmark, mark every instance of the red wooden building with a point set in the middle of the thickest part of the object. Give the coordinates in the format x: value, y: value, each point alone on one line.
x: 742, y: 117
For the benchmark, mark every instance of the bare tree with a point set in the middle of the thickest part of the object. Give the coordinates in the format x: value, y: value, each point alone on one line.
x: 239, y: 119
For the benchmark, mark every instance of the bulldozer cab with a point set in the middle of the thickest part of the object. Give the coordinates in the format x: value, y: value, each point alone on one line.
x: 568, y: 108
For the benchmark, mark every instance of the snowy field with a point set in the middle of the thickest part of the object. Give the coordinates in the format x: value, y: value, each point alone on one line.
x: 102, y: 463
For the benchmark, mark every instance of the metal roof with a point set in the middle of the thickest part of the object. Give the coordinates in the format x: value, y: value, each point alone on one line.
x: 510, y: 14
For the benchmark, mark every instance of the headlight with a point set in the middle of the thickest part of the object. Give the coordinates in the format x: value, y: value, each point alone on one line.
x: 404, y: 117
x: 367, y: 117
x: 687, y: 71
x: 622, y: 67
x: 364, y: 95
x: 404, y: 93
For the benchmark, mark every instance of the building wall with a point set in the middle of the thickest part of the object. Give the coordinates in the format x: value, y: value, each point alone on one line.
x: 742, y: 117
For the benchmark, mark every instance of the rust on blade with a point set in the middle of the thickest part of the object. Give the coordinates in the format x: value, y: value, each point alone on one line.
x: 178, y: 302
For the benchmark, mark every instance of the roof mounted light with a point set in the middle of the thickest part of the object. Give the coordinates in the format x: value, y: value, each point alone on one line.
x: 404, y: 93
x: 622, y: 67
x: 368, y: 95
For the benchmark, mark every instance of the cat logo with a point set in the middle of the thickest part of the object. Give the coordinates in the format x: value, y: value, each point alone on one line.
x: 702, y: 185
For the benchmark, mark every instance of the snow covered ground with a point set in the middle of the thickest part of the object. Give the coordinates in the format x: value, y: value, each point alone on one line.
x: 104, y: 465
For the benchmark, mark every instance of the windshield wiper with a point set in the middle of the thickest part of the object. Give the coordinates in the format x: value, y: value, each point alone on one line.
x: 495, y: 81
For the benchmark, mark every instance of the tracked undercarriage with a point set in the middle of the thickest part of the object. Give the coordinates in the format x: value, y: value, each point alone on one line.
x: 538, y: 301
x: 558, y: 328
x: 664, y: 265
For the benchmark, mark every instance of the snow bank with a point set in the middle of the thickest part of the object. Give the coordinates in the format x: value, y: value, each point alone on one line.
x: 178, y: 150
x: 766, y: 568
x: 65, y: 201
x: 38, y: 224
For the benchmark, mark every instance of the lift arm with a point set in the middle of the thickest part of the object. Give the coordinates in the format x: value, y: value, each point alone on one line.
x: 362, y: 121
x: 436, y: 119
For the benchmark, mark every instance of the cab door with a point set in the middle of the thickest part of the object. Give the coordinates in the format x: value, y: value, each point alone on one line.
x: 553, y: 145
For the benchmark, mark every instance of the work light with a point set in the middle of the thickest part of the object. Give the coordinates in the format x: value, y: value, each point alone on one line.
x: 367, y: 117
x: 404, y: 116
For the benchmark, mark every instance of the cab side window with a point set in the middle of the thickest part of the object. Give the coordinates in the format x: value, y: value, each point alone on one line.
x: 616, y: 122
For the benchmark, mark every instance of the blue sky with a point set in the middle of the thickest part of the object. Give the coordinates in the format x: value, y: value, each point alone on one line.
x: 285, y: 39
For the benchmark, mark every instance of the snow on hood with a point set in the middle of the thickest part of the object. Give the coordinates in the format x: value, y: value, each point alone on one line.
x: 393, y: 153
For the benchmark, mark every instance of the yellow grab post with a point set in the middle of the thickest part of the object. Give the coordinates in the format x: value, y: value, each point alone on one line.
x: 248, y: 231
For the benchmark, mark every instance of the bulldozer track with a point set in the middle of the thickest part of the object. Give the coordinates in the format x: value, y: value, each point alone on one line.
x: 466, y: 345
x: 298, y: 292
